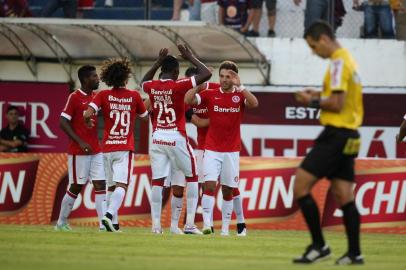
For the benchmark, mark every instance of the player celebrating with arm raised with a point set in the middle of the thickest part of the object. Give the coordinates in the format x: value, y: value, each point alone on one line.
x: 170, y: 147
x: 85, y: 162
x: 223, y: 140
x: 200, y: 118
x: 120, y: 106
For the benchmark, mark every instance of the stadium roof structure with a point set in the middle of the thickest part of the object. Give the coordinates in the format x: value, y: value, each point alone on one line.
x: 73, y: 41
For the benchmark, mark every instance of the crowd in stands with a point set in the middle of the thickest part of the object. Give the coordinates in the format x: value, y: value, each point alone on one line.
x: 241, y: 15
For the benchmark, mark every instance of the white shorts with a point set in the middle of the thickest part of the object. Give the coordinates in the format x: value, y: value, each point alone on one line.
x: 170, y: 149
x: 225, y: 165
x: 118, y: 167
x: 199, y: 164
x: 83, y: 168
x: 175, y: 178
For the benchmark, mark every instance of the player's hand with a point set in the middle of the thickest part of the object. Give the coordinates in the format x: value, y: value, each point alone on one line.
x: 297, y: 2
x: 162, y: 54
x: 235, y: 79
x: 86, y: 148
x: 90, y: 122
x: 185, y: 52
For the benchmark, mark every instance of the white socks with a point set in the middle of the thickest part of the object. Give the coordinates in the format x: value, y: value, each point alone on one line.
x: 66, y: 207
x: 116, y: 200
x: 156, y: 206
x: 226, y: 212
x: 100, y: 197
x: 207, y: 205
x: 176, y: 210
x: 237, y: 202
x: 192, y: 195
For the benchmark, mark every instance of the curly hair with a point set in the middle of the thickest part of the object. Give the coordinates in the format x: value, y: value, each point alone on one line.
x: 115, y: 72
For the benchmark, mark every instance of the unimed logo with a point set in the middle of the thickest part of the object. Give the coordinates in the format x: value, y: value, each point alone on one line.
x: 17, y: 179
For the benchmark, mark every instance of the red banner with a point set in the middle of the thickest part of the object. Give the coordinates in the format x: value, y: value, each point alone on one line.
x: 40, y: 105
x: 31, y: 193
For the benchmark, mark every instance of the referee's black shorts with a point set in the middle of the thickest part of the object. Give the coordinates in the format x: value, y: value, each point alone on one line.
x: 333, y: 154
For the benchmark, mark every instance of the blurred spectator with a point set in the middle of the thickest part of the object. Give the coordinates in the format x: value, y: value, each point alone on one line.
x: 378, y: 17
x: 234, y: 14
x: 109, y: 3
x: 68, y: 6
x: 84, y: 5
x: 209, y: 11
x: 13, y: 137
x: 14, y: 8
x: 319, y: 10
x: 257, y: 14
x: 194, y: 9
x: 315, y: 10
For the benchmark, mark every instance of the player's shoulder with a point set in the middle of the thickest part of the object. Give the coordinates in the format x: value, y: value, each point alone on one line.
x: 212, y: 85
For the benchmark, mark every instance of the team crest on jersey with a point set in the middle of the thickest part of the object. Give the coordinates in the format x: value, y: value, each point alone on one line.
x: 236, y: 99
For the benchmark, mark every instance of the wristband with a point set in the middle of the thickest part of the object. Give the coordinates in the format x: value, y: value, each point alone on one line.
x: 189, y: 114
x: 315, y: 103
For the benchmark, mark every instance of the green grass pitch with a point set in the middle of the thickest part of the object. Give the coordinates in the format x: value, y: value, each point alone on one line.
x: 40, y: 247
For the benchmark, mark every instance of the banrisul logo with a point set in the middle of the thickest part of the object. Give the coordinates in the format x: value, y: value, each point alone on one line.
x: 17, y: 181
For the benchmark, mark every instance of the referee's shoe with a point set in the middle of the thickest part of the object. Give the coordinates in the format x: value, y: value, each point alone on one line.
x: 350, y: 259
x: 313, y: 254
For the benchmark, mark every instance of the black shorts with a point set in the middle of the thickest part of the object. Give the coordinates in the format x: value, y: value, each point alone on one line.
x: 270, y: 4
x: 333, y: 154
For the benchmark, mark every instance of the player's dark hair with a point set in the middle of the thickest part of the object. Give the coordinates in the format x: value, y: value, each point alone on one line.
x: 191, y: 71
x: 115, y: 72
x: 11, y: 108
x: 84, y: 72
x: 169, y: 64
x: 319, y: 28
x: 229, y: 65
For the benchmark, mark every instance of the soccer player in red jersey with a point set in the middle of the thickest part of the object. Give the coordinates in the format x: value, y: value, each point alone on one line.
x: 200, y: 113
x: 223, y: 141
x: 85, y: 162
x: 119, y: 106
x: 170, y: 147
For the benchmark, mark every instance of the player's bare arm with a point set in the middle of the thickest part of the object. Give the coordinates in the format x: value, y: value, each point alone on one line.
x: 402, y: 132
x: 199, y: 122
x: 87, y: 117
x: 64, y: 124
x: 203, y: 72
x: 250, y: 100
x: 151, y: 72
x: 333, y: 103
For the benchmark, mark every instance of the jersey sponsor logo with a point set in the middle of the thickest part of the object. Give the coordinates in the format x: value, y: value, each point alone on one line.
x: 337, y: 67
x: 226, y: 110
x: 200, y: 111
x: 235, y: 99
x: 162, y: 142
x: 120, y: 100
x: 161, y: 92
x: 115, y: 142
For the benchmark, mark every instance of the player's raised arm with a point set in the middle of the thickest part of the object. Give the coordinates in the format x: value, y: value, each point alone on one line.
x: 250, y: 100
x: 151, y: 72
x: 203, y: 73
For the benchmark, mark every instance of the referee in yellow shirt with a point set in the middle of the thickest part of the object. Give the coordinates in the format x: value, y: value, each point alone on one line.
x: 335, y: 149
